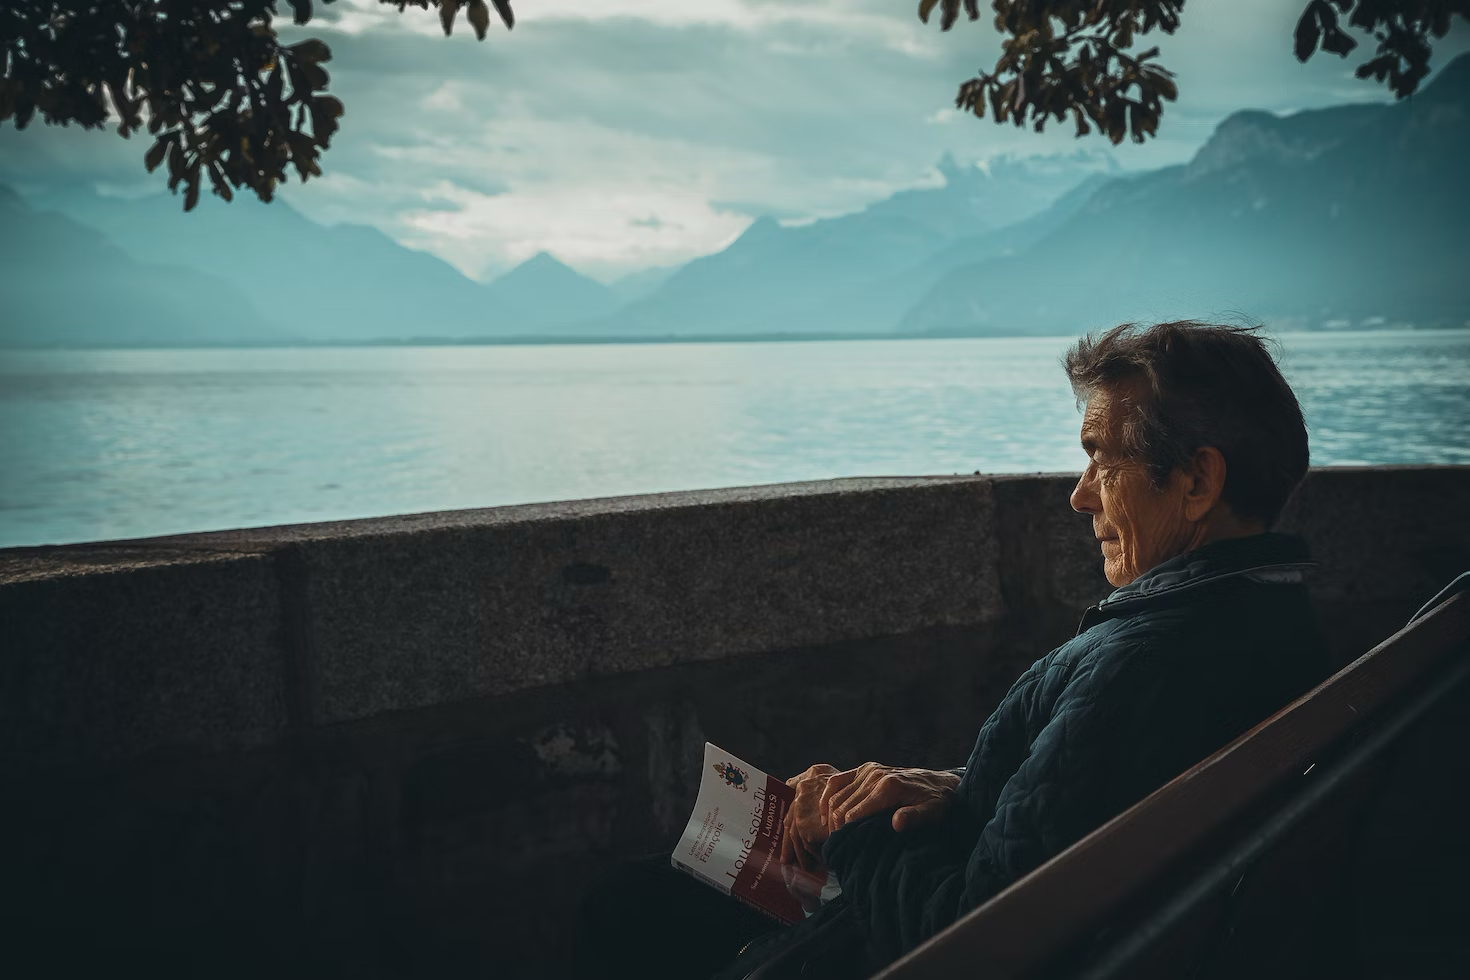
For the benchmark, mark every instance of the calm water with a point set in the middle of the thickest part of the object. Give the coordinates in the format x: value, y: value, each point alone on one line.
x: 116, y: 444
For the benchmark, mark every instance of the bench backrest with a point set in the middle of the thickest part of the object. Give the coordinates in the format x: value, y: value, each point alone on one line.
x: 1195, y: 835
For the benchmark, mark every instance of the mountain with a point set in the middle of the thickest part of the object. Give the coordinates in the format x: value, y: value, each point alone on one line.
x: 857, y: 273
x: 777, y: 279
x: 67, y: 285
x: 636, y: 285
x: 1012, y: 238
x: 1356, y: 215
x: 341, y: 283
x: 546, y: 291
x: 995, y: 193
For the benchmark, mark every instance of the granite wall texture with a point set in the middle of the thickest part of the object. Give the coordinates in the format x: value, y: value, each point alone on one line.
x: 401, y: 746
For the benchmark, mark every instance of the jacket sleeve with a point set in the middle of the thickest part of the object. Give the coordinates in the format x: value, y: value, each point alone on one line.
x: 910, y: 886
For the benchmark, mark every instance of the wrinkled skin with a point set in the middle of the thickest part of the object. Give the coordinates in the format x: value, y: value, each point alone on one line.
x: 826, y: 799
x: 805, y: 830
x: 1137, y: 524
x: 921, y: 796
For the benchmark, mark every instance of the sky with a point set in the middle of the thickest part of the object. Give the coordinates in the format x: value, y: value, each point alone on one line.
x: 626, y: 134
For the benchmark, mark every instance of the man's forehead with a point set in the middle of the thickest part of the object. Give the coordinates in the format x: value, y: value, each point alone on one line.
x: 1101, y: 417
x: 1097, y: 413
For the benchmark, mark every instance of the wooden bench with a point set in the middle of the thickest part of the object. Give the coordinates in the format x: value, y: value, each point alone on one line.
x: 1258, y: 861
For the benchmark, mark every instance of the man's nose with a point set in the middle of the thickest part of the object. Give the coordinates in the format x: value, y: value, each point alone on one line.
x: 1084, y: 497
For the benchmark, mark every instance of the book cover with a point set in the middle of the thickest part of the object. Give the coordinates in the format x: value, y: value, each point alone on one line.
x: 733, y: 840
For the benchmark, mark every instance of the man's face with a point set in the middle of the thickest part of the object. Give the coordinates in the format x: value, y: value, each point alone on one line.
x: 1137, y: 525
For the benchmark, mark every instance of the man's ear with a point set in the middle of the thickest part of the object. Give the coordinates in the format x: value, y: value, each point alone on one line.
x: 1206, y: 483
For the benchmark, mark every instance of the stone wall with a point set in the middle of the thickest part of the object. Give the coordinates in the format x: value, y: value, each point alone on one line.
x: 402, y: 746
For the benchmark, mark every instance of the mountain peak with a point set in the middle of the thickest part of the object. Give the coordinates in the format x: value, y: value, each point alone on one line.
x: 950, y: 169
x: 1254, y: 136
x: 547, y: 290
x: 542, y: 262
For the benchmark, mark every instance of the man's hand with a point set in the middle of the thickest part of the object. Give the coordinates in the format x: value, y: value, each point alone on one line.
x: 922, y: 796
x: 801, y: 844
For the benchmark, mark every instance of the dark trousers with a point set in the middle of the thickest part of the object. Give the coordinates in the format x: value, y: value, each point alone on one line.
x: 645, y: 919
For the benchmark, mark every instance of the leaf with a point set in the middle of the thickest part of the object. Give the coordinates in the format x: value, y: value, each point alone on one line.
x: 507, y: 16
x: 948, y: 14
x: 221, y: 183
x: 311, y: 51
x: 479, y: 17
x: 1082, y: 128
x: 1378, y: 68
x: 926, y: 7
x: 154, y: 156
x: 1308, y: 32
x: 175, y: 163
x: 447, y: 10
x: 1336, y: 41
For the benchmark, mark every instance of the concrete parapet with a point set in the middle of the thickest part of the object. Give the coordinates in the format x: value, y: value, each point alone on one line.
x: 401, y: 746
x: 158, y: 653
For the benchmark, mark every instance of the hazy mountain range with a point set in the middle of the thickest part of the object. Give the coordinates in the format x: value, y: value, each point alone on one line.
x: 1356, y: 215
x: 1352, y: 216
x: 66, y: 284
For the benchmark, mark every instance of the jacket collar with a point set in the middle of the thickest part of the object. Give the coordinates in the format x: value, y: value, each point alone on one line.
x: 1273, y: 558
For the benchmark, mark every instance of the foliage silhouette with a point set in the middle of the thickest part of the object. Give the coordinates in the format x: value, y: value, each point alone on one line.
x: 209, y: 79
x: 224, y: 99
x: 1065, y: 58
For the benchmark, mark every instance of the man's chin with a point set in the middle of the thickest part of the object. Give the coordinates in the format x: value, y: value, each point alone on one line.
x: 1115, y: 573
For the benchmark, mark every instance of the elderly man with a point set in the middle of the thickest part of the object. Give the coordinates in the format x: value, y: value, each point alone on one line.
x: 1194, y: 443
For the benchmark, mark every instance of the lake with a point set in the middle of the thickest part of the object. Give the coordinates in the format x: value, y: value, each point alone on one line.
x: 116, y: 444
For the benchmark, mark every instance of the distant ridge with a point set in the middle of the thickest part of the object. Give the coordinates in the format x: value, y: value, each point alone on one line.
x: 310, y: 282
x: 636, y: 285
x: 857, y: 273
x: 1354, y: 216
x: 546, y: 291
x: 67, y: 285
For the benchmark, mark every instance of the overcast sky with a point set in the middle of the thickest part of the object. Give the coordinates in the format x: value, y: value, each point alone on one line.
x: 621, y: 134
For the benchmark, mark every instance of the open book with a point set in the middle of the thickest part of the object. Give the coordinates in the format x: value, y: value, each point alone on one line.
x: 733, y: 841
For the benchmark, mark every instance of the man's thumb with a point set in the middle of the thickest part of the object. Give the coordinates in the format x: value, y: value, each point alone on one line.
x: 919, y: 815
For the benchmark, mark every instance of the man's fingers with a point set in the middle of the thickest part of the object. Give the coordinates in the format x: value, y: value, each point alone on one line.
x: 844, y: 801
x: 880, y: 795
x: 832, y: 805
x: 836, y: 783
x: 846, y: 804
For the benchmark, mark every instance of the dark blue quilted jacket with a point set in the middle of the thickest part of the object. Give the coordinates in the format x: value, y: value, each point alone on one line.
x: 1161, y: 674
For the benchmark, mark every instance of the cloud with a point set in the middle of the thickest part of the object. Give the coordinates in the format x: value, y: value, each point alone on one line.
x: 624, y: 133
x: 618, y: 142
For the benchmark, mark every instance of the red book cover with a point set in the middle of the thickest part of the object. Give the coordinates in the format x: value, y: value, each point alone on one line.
x: 733, y: 840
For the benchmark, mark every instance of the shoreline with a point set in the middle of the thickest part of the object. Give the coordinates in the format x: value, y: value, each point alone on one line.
x: 584, y: 340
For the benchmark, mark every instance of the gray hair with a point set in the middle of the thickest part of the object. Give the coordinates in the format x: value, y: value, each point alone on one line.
x: 1189, y: 385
